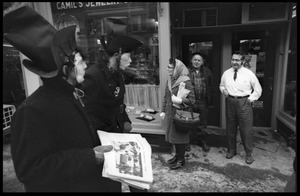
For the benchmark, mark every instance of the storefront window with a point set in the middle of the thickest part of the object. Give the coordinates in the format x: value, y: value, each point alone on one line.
x: 266, y: 11
x: 291, y: 78
x: 98, y: 21
x: 13, y: 85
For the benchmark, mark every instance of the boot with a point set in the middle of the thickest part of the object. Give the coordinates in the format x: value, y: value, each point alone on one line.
x: 179, y: 164
x: 173, y: 160
x: 202, y: 140
x: 231, y: 154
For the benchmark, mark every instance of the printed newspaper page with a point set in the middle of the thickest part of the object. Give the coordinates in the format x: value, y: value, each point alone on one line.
x: 182, y: 93
x: 130, y: 159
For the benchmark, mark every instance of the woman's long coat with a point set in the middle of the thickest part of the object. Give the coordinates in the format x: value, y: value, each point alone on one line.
x: 104, y: 99
x: 173, y: 135
x: 52, y: 143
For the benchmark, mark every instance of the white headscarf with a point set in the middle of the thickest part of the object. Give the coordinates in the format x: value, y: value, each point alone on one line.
x: 180, y: 74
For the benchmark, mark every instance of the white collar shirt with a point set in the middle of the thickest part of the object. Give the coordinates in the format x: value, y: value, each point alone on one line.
x: 245, y: 84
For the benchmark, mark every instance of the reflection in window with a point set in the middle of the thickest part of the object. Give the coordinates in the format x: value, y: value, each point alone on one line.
x: 265, y: 11
x: 255, y: 57
x: 291, y: 77
x: 98, y: 21
x: 13, y: 84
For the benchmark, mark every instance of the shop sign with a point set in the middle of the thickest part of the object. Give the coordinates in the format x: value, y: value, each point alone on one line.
x: 76, y: 5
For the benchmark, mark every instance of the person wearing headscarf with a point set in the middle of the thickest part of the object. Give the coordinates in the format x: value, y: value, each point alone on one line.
x: 53, y: 146
x: 178, y: 75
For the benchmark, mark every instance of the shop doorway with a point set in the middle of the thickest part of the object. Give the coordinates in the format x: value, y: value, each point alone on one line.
x: 260, y: 47
x: 210, y: 46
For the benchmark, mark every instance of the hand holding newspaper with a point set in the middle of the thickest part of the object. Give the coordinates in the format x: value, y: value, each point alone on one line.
x: 182, y: 93
x: 130, y: 160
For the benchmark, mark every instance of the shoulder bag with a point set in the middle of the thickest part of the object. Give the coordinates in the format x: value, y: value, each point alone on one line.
x: 186, y: 120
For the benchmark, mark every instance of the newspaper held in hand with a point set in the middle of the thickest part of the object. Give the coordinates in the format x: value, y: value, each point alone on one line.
x: 130, y: 160
x: 182, y: 93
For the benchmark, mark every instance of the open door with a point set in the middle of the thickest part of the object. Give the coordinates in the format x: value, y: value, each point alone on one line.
x: 260, y: 46
x: 210, y: 46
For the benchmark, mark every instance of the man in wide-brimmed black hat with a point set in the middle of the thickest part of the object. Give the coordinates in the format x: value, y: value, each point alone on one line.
x: 52, y: 144
x: 105, y: 89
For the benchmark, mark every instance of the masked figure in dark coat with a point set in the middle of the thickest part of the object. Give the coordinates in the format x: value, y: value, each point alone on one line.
x: 52, y: 144
x: 104, y: 88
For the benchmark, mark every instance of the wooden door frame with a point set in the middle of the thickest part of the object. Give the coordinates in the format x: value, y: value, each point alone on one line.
x: 214, y: 110
x: 269, y: 35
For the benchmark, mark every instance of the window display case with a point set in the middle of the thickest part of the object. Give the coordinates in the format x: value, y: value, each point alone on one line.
x: 97, y: 22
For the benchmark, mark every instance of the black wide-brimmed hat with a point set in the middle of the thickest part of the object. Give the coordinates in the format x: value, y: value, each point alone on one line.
x: 117, y: 37
x: 125, y: 43
x: 37, y: 39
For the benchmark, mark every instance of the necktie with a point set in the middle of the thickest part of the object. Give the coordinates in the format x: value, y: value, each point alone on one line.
x: 234, y: 76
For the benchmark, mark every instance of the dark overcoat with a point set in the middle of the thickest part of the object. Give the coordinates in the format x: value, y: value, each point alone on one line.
x: 52, y: 143
x: 104, y: 98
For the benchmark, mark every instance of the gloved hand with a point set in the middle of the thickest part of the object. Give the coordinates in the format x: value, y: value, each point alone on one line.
x: 162, y: 115
x: 99, y: 152
x: 176, y: 100
x: 127, y: 127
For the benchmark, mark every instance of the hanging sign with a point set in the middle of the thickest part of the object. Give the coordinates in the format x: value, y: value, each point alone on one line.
x: 59, y: 6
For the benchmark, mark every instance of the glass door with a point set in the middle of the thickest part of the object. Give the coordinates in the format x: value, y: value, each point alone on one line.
x: 259, y: 50
x: 210, y: 46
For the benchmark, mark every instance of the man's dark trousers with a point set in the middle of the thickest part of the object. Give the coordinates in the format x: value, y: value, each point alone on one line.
x: 201, y: 107
x: 239, y: 112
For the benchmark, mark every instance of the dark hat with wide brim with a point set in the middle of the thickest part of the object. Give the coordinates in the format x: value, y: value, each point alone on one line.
x: 33, y: 35
x: 125, y: 43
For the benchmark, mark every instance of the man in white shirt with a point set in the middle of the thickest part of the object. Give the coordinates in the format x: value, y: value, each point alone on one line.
x: 241, y: 87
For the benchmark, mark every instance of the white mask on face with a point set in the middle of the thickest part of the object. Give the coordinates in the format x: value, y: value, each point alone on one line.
x: 125, y: 60
x: 80, y: 67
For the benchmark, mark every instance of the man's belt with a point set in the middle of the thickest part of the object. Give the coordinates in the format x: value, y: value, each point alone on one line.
x: 238, y: 97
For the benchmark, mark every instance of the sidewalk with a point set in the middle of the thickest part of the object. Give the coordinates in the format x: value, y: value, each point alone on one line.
x: 209, y: 172
x: 212, y: 172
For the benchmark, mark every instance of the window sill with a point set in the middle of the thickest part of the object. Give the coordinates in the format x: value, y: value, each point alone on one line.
x: 287, y: 120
